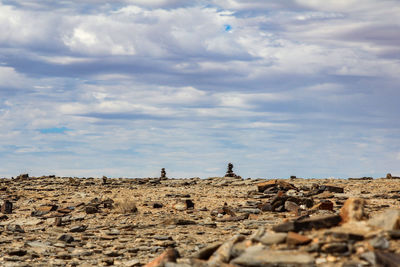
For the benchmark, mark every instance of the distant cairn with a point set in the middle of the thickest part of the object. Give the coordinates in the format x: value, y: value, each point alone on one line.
x: 230, y: 173
x: 163, y: 174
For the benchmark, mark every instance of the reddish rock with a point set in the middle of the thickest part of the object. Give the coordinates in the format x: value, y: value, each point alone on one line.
x: 169, y: 255
x: 275, y: 183
x: 297, y: 239
x: 353, y: 210
x: 324, y: 205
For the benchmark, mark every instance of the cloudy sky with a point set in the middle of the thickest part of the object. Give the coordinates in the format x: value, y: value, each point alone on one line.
x: 126, y: 87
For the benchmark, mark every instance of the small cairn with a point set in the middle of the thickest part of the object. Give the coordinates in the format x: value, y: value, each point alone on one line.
x: 230, y: 173
x: 104, y: 180
x: 163, y: 174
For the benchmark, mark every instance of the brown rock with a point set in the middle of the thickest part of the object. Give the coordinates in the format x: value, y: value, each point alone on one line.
x: 7, y: 206
x: 297, y: 239
x: 353, y: 209
x: 169, y: 255
x: 275, y: 183
x: 324, y: 205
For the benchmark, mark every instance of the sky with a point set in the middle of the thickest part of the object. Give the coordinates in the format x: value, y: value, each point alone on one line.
x: 123, y: 88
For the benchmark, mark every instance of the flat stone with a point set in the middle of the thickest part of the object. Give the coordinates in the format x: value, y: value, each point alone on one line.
x: 271, y: 238
x: 318, y: 222
x: 297, y: 239
x: 261, y: 256
x: 388, y: 220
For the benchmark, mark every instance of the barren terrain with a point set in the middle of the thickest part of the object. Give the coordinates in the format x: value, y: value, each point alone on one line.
x: 58, y: 221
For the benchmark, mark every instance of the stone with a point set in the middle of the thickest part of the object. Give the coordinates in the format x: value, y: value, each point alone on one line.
x: 15, y: 228
x: 323, y: 205
x: 58, y: 221
x: 7, y: 207
x: 387, y: 259
x: 223, y: 253
x: 260, y: 256
x: 23, y: 176
x: 379, y: 242
x: 78, y: 229
x: 389, y: 176
x: 297, y: 239
x: 66, y: 238
x: 388, y: 220
x: 157, y: 205
x: 317, y: 222
x: 91, y: 209
x: 163, y: 174
x: 205, y: 253
x: 353, y: 210
x: 17, y: 252
x: 169, y: 255
x: 229, y: 172
x: 275, y: 183
x: 332, y: 188
x: 335, y: 247
x: 292, y: 206
x: 271, y: 238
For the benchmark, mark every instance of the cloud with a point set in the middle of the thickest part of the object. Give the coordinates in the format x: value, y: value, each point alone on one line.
x: 124, y: 88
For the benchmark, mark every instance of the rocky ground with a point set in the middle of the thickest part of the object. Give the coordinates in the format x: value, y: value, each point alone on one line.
x: 221, y: 221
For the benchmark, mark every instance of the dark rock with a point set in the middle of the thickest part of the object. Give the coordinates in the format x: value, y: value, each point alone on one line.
x: 17, y: 252
x: 205, y: 253
x: 78, y: 229
x: 157, y: 205
x: 331, y: 188
x: 7, y: 207
x: 91, y: 209
x: 15, y: 228
x: 308, y: 224
x: 58, y: 221
x: 335, y: 248
x: 387, y: 259
x: 66, y: 238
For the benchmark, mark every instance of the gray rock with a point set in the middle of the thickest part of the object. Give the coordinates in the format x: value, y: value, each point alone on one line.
x: 261, y: 256
x: 273, y: 238
x: 388, y: 220
x: 379, y: 242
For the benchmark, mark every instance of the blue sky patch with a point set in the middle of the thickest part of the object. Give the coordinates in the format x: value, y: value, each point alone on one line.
x: 54, y: 130
x: 227, y: 27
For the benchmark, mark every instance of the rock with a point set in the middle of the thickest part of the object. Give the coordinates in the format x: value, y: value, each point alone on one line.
x: 297, y: 239
x: 23, y: 176
x: 15, y: 228
x: 7, y: 207
x: 91, y: 209
x: 169, y: 255
x: 17, y: 252
x: 379, y: 242
x: 323, y: 205
x: 335, y: 247
x: 234, y: 218
x: 58, y: 221
x: 388, y: 220
x: 353, y: 209
x: 317, y: 222
x: 260, y: 256
x: 182, y: 205
x: 205, y: 253
x: 292, y: 206
x: 275, y: 183
x: 78, y: 229
x: 223, y: 253
x: 157, y: 205
x: 331, y: 188
x: 271, y: 238
x: 66, y: 238
x: 387, y: 259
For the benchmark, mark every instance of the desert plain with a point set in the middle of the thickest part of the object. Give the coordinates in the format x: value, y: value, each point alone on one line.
x: 218, y: 221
